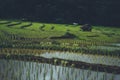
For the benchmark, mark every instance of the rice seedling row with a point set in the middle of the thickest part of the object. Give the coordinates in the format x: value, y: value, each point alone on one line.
x: 19, y: 70
x: 59, y: 61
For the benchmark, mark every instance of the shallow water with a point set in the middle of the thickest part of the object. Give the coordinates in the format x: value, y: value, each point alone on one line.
x: 105, y: 60
x: 116, y: 44
x: 20, y: 70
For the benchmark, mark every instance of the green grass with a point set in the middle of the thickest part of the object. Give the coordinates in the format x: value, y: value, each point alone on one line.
x: 34, y: 36
x: 98, y: 32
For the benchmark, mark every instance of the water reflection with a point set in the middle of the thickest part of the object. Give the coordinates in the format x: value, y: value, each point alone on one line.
x: 20, y: 70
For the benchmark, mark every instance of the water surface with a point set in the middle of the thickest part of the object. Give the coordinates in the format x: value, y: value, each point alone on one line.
x: 20, y: 70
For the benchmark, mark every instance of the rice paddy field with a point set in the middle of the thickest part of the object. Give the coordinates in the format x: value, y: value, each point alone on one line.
x: 49, y: 51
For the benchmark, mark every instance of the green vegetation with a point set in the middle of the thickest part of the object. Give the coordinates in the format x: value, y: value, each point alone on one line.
x: 33, y: 30
x: 62, y: 37
x: 60, y: 44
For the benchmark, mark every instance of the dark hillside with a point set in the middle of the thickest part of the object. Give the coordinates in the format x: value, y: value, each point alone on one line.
x: 98, y: 12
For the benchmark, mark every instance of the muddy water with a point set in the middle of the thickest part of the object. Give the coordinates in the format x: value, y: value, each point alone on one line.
x: 20, y: 70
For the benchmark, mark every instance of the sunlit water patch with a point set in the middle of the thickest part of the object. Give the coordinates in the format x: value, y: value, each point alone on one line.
x: 95, y: 59
x: 20, y: 70
x: 116, y: 44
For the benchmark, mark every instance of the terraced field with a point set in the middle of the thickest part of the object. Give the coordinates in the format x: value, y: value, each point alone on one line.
x: 60, y: 45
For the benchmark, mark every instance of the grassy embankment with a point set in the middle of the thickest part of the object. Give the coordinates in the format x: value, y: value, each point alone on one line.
x: 35, y: 35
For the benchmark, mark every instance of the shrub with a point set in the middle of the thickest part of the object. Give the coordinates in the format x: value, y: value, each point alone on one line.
x: 86, y: 27
x: 52, y: 27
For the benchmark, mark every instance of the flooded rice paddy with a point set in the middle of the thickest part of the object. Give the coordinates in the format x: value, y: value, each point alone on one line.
x: 95, y: 59
x: 21, y: 70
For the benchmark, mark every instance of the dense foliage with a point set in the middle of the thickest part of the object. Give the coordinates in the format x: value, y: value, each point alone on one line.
x: 99, y: 12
